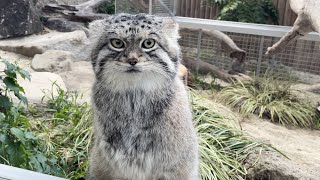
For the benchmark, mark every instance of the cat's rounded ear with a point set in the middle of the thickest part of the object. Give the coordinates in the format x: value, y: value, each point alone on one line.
x: 171, y: 27
x: 96, y: 27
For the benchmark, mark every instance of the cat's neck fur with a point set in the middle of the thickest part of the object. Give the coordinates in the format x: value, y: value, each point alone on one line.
x: 133, y: 104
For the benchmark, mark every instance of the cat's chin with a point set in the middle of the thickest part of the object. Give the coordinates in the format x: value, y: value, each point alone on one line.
x: 128, y: 81
x: 133, y: 70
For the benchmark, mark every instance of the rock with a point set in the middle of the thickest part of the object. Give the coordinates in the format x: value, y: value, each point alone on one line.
x: 40, y: 85
x: 41, y: 3
x: 53, y: 61
x: 63, y: 25
x: 80, y: 79
x: 301, y: 146
x: 20, y: 60
x: 75, y: 42
x: 18, y: 18
x: 272, y: 165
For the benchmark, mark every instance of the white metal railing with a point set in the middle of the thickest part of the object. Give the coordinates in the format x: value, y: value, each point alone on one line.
x: 243, y: 28
x: 13, y: 173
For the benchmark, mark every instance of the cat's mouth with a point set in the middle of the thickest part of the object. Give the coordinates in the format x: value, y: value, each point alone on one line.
x: 133, y: 70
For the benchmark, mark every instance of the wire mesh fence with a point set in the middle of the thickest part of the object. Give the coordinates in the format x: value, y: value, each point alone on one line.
x: 299, y: 61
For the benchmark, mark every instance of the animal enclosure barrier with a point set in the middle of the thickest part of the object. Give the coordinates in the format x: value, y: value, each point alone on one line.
x: 299, y: 61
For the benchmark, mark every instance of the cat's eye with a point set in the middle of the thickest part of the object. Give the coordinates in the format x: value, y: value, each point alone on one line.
x: 117, y: 43
x: 148, y: 43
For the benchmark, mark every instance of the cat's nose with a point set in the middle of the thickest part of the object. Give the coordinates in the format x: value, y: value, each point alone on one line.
x: 132, y: 61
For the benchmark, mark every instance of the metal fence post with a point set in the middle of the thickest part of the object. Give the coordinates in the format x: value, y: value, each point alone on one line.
x: 150, y: 6
x: 198, y: 50
x: 174, y: 7
x: 273, y: 62
x: 260, y: 57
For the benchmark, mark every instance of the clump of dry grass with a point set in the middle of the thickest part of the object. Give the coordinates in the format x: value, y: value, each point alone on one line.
x: 271, y: 98
x: 223, y: 146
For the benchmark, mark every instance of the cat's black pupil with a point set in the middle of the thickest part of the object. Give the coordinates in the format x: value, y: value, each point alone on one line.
x: 148, y: 42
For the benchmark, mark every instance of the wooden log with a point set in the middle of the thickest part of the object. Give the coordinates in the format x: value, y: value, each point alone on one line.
x: 183, y: 73
x: 88, y: 11
x: 206, y: 68
x: 306, y: 22
x: 228, y: 45
x: 85, y: 12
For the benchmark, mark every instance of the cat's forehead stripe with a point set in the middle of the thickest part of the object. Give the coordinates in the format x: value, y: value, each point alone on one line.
x: 135, y: 20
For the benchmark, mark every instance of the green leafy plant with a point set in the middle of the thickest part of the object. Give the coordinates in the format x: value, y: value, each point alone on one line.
x: 18, y: 145
x: 223, y: 146
x: 10, y: 85
x: 249, y: 11
x: 272, y: 98
x: 107, y: 8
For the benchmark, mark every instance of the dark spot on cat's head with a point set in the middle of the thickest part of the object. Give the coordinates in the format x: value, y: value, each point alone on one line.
x: 124, y: 18
x: 142, y: 26
x: 135, y: 23
x: 140, y: 16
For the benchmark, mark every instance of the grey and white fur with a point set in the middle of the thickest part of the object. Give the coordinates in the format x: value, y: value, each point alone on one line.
x: 143, y: 127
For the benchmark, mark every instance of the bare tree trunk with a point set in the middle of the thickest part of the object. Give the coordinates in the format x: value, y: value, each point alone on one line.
x: 307, y: 21
x: 301, y: 27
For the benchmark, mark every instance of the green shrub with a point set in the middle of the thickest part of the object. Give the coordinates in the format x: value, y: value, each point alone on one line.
x: 271, y: 98
x: 249, y: 11
x: 107, y: 8
x: 18, y: 144
x: 54, y: 139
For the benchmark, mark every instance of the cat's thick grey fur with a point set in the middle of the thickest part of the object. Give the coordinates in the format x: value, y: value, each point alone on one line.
x: 143, y: 127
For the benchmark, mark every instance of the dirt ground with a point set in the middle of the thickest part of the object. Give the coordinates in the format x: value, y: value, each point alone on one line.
x: 301, y: 146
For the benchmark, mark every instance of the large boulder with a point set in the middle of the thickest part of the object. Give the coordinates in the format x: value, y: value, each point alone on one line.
x: 53, y: 61
x: 76, y: 42
x: 63, y: 25
x: 39, y: 89
x: 18, y: 18
x: 41, y: 3
x: 80, y: 79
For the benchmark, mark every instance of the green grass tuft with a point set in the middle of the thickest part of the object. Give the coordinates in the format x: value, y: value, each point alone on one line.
x: 64, y: 127
x: 223, y: 146
x: 269, y: 97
